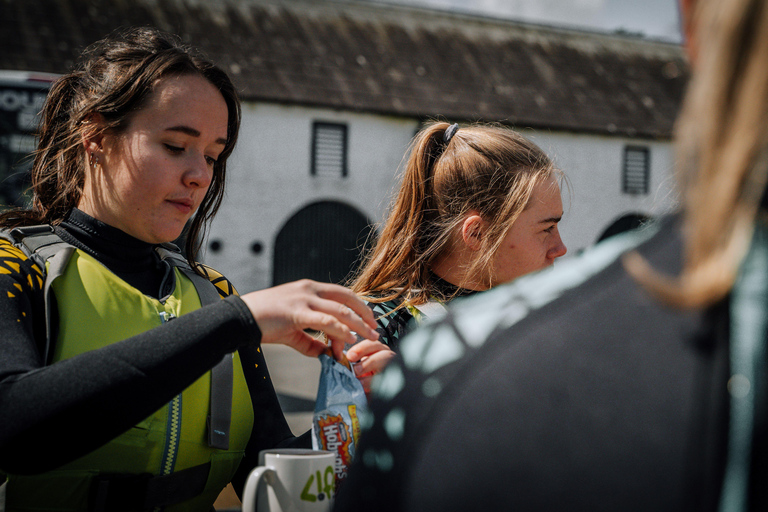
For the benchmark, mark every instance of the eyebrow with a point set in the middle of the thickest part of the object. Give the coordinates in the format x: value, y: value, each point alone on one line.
x: 193, y: 133
x: 551, y: 219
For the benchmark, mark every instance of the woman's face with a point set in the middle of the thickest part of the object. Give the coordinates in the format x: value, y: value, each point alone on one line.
x: 533, y: 242
x: 151, y: 177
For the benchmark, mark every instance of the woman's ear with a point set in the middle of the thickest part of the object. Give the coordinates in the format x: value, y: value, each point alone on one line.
x: 472, y: 231
x: 93, y: 136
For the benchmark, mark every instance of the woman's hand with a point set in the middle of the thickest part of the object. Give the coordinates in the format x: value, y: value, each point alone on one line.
x: 283, y: 312
x: 372, y: 357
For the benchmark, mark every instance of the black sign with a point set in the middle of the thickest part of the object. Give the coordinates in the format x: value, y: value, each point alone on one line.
x: 20, y: 105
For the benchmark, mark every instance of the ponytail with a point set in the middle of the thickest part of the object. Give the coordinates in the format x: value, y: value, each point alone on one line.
x: 399, y: 263
x: 489, y: 169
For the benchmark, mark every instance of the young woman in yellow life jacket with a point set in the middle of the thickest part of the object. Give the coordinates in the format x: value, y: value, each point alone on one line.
x: 478, y: 206
x: 130, y: 378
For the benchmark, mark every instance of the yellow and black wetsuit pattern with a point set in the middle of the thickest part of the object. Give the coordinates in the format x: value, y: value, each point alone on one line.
x: 26, y: 276
x: 222, y: 284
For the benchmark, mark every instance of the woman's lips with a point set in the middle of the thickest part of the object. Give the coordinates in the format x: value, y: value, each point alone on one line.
x: 183, y: 205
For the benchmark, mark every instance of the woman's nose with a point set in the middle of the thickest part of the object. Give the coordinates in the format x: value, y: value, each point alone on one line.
x: 199, y: 174
x: 558, y: 248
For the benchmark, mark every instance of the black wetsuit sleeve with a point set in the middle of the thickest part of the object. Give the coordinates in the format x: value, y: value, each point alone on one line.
x: 54, y: 414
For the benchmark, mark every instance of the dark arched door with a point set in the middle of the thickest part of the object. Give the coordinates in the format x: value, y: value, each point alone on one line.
x: 322, y: 241
x: 624, y: 223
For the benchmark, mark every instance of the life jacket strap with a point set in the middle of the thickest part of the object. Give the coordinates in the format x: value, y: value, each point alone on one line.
x: 43, y: 245
x: 40, y: 241
x: 220, y: 418
x: 131, y: 493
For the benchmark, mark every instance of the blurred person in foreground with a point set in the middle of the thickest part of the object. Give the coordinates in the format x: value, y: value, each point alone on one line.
x: 631, y: 378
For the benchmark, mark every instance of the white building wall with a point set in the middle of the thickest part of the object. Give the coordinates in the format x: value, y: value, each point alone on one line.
x: 593, y: 165
x: 269, y: 180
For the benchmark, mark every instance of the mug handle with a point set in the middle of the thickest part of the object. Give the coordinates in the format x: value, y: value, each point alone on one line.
x: 252, y: 487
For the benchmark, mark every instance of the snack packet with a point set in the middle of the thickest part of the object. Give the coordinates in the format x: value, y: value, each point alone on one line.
x: 340, y: 401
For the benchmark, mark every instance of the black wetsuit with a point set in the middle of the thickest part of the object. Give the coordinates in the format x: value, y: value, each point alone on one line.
x: 44, y: 409
x: 568, y: 390
x: 394, y: 323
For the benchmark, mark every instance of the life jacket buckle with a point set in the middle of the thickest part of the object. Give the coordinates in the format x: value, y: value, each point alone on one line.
x: 19, y: 234
x: 115, y: 492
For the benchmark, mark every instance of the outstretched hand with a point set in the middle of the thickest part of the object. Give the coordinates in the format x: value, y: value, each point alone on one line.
x: 284, y: 312
x: 372, y: 357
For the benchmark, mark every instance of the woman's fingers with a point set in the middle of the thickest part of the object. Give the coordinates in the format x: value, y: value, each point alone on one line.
x: 366, y: 382
x: 338, y: 325
x: 284, y: 312
x: 343, y: 304
x: 365, y: 348
x: 371, y: 357
x: 309, y: 344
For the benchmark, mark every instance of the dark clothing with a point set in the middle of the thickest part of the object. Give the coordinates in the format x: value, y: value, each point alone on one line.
x: 394, y: 323
x: 570, y: 390
x: 44, y: 409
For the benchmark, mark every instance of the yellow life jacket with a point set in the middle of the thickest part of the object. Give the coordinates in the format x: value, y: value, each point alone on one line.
x: 170, y: 453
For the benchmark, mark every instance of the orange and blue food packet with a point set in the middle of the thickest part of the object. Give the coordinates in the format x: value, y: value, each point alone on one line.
x: 340, y: 402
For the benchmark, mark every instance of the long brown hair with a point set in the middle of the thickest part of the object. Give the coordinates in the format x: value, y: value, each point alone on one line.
x: 114, y: 78
x: 489, y: 169
x: 722, y: 151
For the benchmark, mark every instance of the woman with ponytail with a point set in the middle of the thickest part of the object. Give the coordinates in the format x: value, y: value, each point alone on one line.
x: 131, y: 377
x: 478, y: 206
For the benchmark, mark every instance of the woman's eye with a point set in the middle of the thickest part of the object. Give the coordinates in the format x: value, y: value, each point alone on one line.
x: 211, y: 161
x: 173, y: 149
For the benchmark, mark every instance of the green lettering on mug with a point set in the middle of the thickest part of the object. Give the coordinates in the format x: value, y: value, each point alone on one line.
x: 330, y: 481
x: 305, y: 495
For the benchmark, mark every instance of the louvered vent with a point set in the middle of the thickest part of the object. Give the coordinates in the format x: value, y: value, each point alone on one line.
x: 637, y: 170
x: 329, y: 150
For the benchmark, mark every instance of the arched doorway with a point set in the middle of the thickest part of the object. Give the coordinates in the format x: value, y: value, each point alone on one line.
x: 624, y: 223
x: 322, y: 241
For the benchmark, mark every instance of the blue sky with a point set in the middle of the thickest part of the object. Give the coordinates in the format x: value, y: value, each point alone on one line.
x: 657, y: 19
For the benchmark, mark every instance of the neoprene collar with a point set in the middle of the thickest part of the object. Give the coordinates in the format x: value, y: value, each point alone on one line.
x: 131, y: 259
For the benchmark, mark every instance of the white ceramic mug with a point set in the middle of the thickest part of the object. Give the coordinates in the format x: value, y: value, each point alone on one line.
x: 291, y: 480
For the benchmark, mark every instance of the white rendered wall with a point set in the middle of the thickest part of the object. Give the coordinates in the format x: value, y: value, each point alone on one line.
x: 593, y: 165
x: 269, y: 180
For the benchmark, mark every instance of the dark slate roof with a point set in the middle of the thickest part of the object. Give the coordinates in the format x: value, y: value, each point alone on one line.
x: 386, y: 59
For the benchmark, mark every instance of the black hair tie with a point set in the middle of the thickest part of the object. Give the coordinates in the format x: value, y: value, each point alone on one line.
x: 450, y: 132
